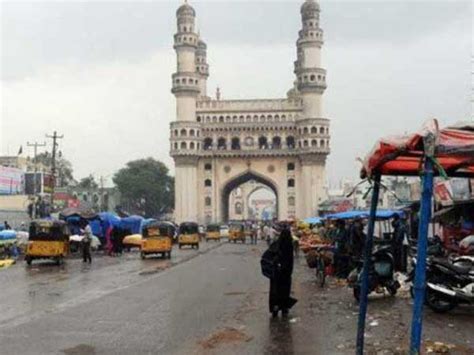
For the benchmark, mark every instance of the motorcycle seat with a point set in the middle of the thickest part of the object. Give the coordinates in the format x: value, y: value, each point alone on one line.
x: 460, y: 269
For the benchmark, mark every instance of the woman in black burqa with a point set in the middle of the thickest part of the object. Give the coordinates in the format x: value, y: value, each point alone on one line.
x: 280, y: 284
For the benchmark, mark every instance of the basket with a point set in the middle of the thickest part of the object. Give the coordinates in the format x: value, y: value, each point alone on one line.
x: 312, y: 257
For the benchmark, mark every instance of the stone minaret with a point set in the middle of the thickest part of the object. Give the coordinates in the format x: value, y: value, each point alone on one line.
x: 185, y: 131
x: 202, y: 68
x: 311, y: 84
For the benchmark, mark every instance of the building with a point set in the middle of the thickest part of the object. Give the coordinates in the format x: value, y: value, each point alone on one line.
x: 218, y: 145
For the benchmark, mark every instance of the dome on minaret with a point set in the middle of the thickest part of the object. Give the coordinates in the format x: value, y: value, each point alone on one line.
x: 202, y: 44
x: 309, y: 9
x: 186, y: 10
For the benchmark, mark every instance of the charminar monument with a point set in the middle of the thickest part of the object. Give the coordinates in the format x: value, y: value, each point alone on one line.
x: 218, y: 145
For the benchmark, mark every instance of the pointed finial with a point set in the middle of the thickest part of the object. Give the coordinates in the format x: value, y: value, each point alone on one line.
x: 218, y: 94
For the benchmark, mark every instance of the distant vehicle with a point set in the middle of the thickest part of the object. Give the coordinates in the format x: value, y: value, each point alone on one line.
x: 157, y: 239
x: 224, y: 230
x: 188, y: 235
x: 237, y: 232
x: 213, y: 232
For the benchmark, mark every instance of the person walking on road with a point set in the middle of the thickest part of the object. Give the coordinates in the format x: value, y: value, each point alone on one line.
x: 280, y: 283
x: 86, y: 245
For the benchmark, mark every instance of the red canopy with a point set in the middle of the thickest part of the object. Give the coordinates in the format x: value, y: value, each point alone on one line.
x: 402, y: 155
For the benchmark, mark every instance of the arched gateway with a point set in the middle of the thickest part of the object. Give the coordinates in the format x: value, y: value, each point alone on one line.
x: 218, y: 145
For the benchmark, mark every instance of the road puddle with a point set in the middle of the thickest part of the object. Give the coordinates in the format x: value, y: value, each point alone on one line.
x: 224, y: 336
x: 81, y: 349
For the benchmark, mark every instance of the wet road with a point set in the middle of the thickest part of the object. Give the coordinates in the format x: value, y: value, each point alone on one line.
x: 211, y: 301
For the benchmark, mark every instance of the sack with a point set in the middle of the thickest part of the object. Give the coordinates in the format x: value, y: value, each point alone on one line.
x: 269, y: 261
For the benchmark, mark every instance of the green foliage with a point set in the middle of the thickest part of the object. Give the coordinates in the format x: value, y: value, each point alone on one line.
x: 88, y: 183
x: 63, y: 167
x: 146, y: 186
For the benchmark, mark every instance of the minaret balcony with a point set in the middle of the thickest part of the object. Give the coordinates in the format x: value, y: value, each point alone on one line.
x: 185, y: 39
x: 185, y: 82
x: 309, y: 78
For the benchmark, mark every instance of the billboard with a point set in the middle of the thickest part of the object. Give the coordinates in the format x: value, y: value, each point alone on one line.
x: 11, y: 181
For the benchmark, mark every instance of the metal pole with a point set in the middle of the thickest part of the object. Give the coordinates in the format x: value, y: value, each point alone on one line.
x: 55, y: 137
x: 364, y: 290
x: 420, y: 272
x: 35, y: 163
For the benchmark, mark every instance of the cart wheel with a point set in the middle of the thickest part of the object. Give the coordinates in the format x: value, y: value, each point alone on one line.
x: 142, y: 255
x: 28, y: 260
x: 320, y: 273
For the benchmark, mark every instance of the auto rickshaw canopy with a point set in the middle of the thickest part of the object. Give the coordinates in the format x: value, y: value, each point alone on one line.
x: 46, y: 229
x: 166, y: 229
x: 188, y: 228
x: 403, y: 155
x: 213, y: 227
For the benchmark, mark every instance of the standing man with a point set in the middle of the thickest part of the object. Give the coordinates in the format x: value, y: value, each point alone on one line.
x: 86, y: 245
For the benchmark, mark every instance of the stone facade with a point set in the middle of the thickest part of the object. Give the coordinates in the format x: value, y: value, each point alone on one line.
x: 218, y: 145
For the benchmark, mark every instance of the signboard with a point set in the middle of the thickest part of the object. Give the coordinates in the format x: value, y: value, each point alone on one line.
x: 44, y: 183
x: 11, y: 181
x: 443, y: 193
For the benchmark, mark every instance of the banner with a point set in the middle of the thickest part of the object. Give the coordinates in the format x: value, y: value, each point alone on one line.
x: 11, y: 181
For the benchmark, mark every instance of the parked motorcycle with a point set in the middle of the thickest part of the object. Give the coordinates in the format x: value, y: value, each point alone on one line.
x: 381, y: 274
x: 448, y: 282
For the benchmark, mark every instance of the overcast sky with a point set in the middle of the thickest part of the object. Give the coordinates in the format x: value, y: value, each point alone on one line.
x: 100, y: 72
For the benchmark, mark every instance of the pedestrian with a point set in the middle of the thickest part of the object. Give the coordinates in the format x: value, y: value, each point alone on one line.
x: 30, y: 210
x: 86, y: 245
x: 6, y: 226
x: 399, y: 251
x: 340, y: 244
x: 254, y: 233
x: 280, y: 283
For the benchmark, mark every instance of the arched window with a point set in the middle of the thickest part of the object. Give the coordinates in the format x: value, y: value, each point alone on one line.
x: 238, y: 208
x: 312, y: 77
x: 191, y: 145
x: 208, y: 166
x: 183, y: 133
x: 262, y: 118
x: 241, y: 119
x: 214, y: 119
x: 191, y: 133
x: 234, y: 118
x: 207, y: 183
x: 199, y: 118
x: 248, y: 118
x: 235, y: 143
x: 221, y: 119
x: 321, y: 130
x: 290, y: 142
x: 305, y: 143
x: 207, y: 143
x: 263, y: 142
x: 221, y: 144
x: 183, y: 145
x: 276, y: 142
x: 175, y: 132
x: 314, y: 143
x: 314, y: 130
x: 291, y: 201
x: 291, y: 182
x: 227, y: 118
x: 176, y: 146
x: 291, y: 166
x: 207, y: 201
x: 255, y: 118
x: 185, y: 29
x: 305, y: 130
x: 322, y: 143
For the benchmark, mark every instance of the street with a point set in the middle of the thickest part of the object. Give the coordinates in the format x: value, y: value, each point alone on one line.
x: 212, y: 300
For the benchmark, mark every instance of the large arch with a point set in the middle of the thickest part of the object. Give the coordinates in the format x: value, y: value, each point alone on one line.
x: 255, y: 190
x: 236, y: 182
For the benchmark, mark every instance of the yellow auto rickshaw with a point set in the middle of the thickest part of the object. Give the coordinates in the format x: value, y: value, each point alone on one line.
x: 213, y: 232
x: 157, y: 239
x: 188, y: 235
x: 237, y: 232
x: 48, y: 239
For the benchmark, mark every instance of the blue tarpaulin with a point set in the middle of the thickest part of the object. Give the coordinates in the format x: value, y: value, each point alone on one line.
x: 380, y: 214
x: 313, y: 220
x: 132, y: 223
x: 7, y: 234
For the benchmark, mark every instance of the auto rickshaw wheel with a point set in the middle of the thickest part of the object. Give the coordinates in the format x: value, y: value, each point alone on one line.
x: 142, y: 255
x: 28, y: 260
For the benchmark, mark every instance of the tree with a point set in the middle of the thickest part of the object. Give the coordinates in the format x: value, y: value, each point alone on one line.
x: 88, y: 183
x: 146, y: 186
x: 63, y: 167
